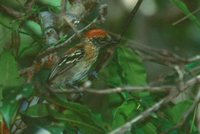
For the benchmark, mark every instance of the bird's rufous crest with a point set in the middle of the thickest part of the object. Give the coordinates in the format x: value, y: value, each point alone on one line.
x: 95, y: 33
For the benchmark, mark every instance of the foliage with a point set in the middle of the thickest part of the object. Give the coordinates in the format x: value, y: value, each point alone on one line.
x: 92, y: 114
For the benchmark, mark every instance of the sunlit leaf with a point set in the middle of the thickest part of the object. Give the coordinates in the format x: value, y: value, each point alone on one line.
x: 132, y: 69
x: 123, y: 113
x: 33, y: 29
x: 55, y: 3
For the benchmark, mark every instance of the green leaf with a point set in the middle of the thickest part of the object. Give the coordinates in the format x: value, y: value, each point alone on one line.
x: 181, y: 5
x: 7, y: 26
x: 75, y: 121
x: 45, y: 124
x: 36, y: 121
x: 163, y: 123
x: 38, y: 110
x: 33, y: 29
x: 9, y: 77
x: 5, y: 31
x: 150, y: 128
x: 54, y: 3
x: 83, y: 111
x: 132, y: 69
x: 14, y: 4
x: 8, y: 111
x: 109, y: 76
x: 178, y: 110
x: 123, y: 113
x: 28, y: 47
x: 12, y: 97
x: 125, y: 69
x: 77, y: 115
x: 147, y: 128
x: 17, y: 93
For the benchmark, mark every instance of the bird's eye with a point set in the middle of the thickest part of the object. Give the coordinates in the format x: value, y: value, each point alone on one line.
x: 102, y: 41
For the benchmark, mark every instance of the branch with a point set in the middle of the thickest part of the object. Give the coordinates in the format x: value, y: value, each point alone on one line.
x: 198, y: 117
x: 168, y: 88
x: 116, y: 90
x: 11, y: 12
x: 48, y: 20
x: 162, y: 56
x: 63, y: 5
x: 194, y: 59
x: 29, y: 4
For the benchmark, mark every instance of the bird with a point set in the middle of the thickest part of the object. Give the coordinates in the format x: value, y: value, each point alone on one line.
x: 77, y: 61
x: 73, y: 65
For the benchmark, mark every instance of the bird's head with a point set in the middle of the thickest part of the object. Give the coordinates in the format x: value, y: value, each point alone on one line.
x: 99, y: 37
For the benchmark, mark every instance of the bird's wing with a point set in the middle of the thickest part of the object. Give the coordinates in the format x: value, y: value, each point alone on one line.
x: 68, y: 61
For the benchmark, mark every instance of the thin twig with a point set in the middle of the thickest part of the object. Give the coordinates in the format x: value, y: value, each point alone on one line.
x: 29, y: 4
x: 198, y: 118
x: 194, y: 59
x: 181, y: 74
x: 168, y: 88
x: 158, y: 55
x: 63, y: 5
x: 63, y: 16
x: 72, y: 26
x: 116, y: 90
x: 186, y: 17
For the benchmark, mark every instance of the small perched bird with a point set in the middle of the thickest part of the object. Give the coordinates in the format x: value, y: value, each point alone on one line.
x: 77, y: 61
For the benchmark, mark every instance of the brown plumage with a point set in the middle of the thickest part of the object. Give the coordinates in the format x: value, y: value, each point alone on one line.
x: 77, y: 61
